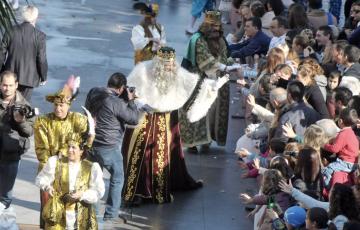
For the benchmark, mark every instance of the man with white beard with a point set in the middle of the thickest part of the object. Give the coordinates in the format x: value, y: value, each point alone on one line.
x: 153, y: 157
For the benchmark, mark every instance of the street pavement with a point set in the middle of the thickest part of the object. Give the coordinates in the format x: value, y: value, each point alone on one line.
x: 91, y: 39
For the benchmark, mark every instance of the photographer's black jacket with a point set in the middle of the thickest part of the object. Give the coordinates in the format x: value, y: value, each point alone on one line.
x: 14, y: 137
x: 111, y: 114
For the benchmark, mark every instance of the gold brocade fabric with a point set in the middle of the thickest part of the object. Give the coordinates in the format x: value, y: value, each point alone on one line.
x: 86, y: 217
x: 214, y: 125
x: 144, y: 54
x: 51, y: 134
x: 150, y: 142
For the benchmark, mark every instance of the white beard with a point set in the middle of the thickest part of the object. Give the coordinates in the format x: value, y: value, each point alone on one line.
x: 177, y: 91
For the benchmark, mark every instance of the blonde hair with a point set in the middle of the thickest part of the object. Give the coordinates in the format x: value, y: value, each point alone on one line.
x: 310, y: 68
x: 30, y: 13
x: 318, y: 70
x: 293, y: 57
x: 275, y: 57
x: 315, y: 137
x: 306, y: 72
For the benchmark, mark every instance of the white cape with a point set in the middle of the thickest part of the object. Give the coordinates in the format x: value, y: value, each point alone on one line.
x: 178, y: 93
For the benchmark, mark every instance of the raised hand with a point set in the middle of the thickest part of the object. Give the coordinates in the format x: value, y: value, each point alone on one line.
x: 242, y: 153
x: 222, y: 80
x: 251, y: 100
x: 285, y: 187
x: 288, y: 131
x: 245, y: 198
x: 256, y: 163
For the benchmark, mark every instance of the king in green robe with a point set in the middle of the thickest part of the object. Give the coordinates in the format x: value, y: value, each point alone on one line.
x: 207, y: 50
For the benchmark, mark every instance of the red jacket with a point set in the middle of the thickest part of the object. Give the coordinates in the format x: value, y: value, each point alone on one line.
x: 346, y: 145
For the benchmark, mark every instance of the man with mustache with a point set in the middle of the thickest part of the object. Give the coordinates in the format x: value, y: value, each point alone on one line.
x: 207, y: 55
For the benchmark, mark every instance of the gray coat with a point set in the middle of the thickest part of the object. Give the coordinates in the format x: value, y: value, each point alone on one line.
x: 111, y: 114
x: 14, y: 139
x: 353, y: 71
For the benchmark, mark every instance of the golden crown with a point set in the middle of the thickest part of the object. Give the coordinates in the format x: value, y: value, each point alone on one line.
x: 166, y: 53
x: 213, y: 17
x: 60, y: 97
x: 76, y: 138
x: 154, y: 7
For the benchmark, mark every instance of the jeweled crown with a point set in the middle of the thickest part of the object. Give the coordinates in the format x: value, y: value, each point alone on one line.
x: 166, y: 53
x: 213, y: 17
x: 75, y: 138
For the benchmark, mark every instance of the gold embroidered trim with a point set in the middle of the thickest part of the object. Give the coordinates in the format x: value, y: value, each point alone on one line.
x: 160, y: 160
x: 130, y: 188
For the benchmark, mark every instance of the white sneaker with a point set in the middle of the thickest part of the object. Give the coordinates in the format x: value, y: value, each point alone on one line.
x: 2, y: 208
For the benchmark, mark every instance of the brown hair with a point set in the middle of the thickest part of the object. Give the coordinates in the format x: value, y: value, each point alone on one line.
x: 308, y: 165
x: 8, y: 73
x: 348, y: 116
x: 275, y: 57
x: 284, y: 68
x: 297, y: 16
x: 293, y: 57
x: 291, y: 153
x: 301, y: 40
x: 270, y: 184
x: 306, y: 71
x: 318, y: 70
x: 309, y: 67
x: 315, y: 137
x: 335, y: 74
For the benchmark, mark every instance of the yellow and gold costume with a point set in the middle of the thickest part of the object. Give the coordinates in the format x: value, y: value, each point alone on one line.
x: 51, y: 134
x: 67, y: 177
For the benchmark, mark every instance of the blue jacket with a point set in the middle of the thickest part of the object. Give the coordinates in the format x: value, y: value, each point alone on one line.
x: 354, y: 38
x: 259, y: 44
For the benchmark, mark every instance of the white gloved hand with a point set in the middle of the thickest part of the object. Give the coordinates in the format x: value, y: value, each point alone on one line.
x: 233, y: 67
x: 50, y: 189
x: 221, y: 81
x: 221, y: 67
x: 91, y: 121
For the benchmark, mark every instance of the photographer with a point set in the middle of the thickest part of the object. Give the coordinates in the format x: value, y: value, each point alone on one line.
x: 16, y: 127
x: 112, y: 107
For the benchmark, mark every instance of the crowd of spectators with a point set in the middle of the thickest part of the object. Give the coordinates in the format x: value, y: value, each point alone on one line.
x: 302, y: 143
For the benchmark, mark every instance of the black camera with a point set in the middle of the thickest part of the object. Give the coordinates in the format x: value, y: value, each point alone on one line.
x: 25, y: 110
x: 131, y: 88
